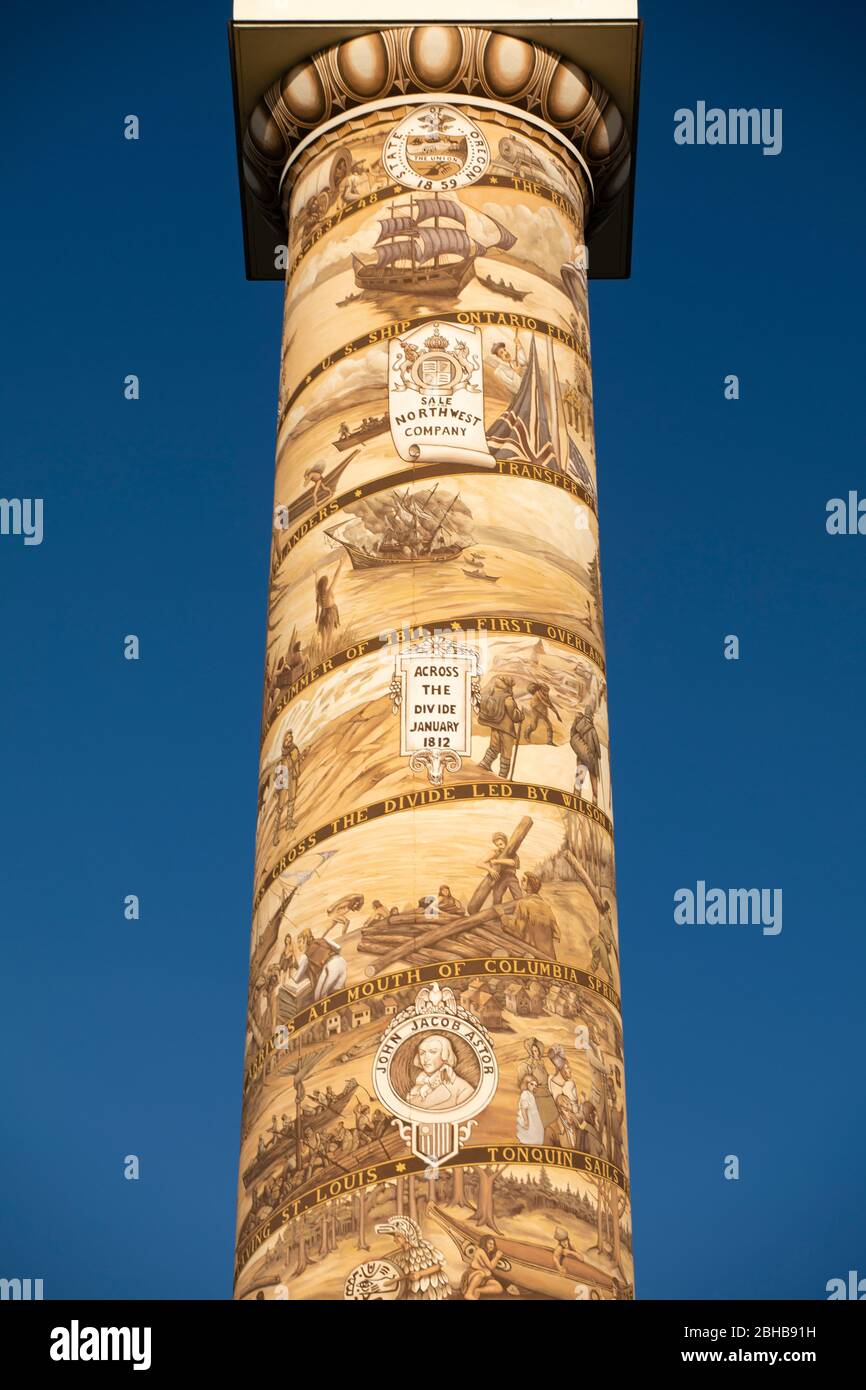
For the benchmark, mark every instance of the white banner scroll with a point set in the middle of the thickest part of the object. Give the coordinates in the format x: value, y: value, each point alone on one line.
x: 436, y: 395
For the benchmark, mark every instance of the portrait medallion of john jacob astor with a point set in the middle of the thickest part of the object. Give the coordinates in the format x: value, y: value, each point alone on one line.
x: 435, y: 1070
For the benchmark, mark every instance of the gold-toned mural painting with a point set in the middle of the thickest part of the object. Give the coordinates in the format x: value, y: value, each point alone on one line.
x: 434, y: 1101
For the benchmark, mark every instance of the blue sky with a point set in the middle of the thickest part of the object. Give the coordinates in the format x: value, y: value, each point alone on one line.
x: 123, y: 777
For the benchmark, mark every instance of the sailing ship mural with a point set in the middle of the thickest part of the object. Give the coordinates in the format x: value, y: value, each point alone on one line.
x: 405, y: 529
x: 420, y: 249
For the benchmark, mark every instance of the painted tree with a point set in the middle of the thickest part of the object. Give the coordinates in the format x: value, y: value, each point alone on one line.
x: 361, y: 1218
x: 485, y: 1214
x: 459, y: 1194
x: 595, y: 590
x: 303, y: 1259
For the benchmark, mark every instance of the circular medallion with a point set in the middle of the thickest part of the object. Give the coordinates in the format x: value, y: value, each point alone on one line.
x: 435, y: 148
x: 434, y: 1069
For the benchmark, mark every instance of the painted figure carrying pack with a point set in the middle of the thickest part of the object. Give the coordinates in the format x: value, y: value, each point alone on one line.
x: 500, y: 712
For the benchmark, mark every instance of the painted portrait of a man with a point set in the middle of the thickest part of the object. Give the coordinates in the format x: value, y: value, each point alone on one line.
x: 437, y: 1083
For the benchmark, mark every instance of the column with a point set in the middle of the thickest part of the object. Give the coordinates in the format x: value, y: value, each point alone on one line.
x: 433, y: 1089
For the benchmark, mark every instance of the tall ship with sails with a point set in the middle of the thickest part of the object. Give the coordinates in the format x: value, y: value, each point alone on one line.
x: 413, y: 531
x: 419, y: 248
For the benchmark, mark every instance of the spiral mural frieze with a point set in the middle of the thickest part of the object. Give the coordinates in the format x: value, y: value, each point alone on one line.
x: 434, y: 1089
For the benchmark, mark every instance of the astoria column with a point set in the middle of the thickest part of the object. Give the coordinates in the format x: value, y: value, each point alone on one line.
x: 434, y: 1101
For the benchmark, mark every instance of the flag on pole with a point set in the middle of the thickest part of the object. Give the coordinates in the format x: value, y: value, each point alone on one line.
x: 523, y: 431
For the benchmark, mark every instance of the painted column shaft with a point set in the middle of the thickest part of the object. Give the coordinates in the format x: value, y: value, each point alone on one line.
x: 434, y: 1090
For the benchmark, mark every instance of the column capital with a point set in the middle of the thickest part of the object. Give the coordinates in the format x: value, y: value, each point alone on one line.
x: 514, y: 72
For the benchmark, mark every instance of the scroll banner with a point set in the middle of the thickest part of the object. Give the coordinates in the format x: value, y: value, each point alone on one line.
x: 436, y: 395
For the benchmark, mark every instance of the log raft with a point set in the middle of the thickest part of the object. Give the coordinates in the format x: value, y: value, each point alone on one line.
x: 421, y: 939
